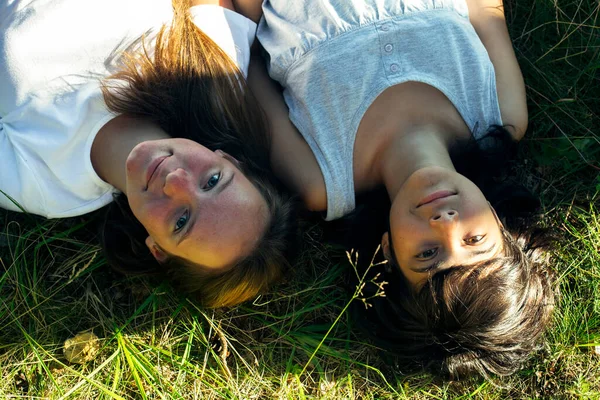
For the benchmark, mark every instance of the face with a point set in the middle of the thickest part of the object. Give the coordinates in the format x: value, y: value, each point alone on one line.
x: 195, y: 203
x: 440, y: 219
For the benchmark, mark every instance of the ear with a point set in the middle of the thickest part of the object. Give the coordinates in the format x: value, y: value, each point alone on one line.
x: 228, y: 157
x: 156, y: 251
x: 385, y: 246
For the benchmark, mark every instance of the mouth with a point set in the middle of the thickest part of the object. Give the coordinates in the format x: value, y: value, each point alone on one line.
x: 153, y: 168
x: 441, y: 194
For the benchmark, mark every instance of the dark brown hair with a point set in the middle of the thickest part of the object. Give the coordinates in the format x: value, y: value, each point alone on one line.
x: 191, y: 89
x: 485, y: 318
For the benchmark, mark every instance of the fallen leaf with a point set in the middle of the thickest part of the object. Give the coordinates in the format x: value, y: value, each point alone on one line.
x: 81, y: 348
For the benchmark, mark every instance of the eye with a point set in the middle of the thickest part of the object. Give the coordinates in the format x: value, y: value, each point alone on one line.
x: 474, y: 239
x: 212, y: 181
x: 427, y: 254
x: 182, y: 221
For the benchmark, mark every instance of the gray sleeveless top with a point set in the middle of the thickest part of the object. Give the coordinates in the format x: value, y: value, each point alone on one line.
x: 334, y: 58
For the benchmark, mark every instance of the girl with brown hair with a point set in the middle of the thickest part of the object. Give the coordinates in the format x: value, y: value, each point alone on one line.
x: 401, y: 94
x: 174, y: 135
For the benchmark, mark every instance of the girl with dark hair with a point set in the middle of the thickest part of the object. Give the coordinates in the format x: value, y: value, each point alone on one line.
x: 174, y: 134
x: 387, y: 93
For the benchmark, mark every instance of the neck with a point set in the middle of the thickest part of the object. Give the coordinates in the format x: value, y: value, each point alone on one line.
x: 114, y: 142
x: 415, y: 148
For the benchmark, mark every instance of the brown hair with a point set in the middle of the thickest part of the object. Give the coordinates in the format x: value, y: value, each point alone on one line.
x: 485, y: 318
x: 191, y: 89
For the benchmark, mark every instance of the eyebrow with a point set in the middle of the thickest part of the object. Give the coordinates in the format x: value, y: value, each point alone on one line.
x: 437, y: 264
x: 193, y: 223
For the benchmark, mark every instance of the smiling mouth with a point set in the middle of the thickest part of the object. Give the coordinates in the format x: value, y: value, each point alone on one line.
x: 153, y: 168
x: 442, y: 194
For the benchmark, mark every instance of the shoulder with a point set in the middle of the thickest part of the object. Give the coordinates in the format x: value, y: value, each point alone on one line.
x: 487, y: 17
x: 221, y: 3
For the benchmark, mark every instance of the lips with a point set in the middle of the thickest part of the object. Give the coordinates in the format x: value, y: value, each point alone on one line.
x: 441, y: 194
x: 153, y: 168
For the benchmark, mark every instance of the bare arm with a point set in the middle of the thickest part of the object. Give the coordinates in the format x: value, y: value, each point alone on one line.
x: 292, y: 160
x: 487, y: 17
x: 251, y: 9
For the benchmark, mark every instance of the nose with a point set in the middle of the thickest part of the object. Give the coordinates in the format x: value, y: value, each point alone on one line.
x: 443, y: 218
x: 177, y: 184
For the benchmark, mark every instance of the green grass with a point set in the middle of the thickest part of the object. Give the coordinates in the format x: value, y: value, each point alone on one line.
x: 298, y: 341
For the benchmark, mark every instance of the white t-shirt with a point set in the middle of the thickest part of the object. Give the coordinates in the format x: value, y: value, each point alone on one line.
x: 53, y: 55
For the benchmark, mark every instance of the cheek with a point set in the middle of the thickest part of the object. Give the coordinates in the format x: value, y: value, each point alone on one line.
x: 405, y: 227
x: 477, y: 211
x: 408, y: 233
x: 136, y: 205
x: 149, y: 213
